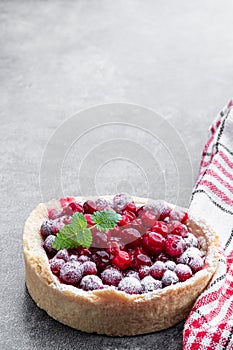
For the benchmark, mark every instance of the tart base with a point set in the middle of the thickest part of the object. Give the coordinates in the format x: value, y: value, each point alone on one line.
x: 109, y: 311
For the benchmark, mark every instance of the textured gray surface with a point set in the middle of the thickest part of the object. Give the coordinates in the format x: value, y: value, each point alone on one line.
x: 57, y: 58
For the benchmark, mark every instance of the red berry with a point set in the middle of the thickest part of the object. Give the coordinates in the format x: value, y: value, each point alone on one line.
x: 153, y: 243
x: 65, y: 201
x: 149, y: 284
x: 111, y: 276
x: 148, y: 218
x: 122, y: 260
x: 160, y: 227
x: 48, y: 245
x: 102, y: 259
x: 54, y: 213
x: 178, y: 215
x: 176, y: 228
x: 46, y: 228
x: 91, y: 282
x: 62, y: 254
x: 56, y: 265
x: 89, y: 268
x: 113, y: 247
x: 140, y: 260
x: 130, y: 285
x: 183, y: 272
x: 174, y: 245
x: 71, y: 272
x: 124, y: 220
x: 131, y: 207
x: 76, y: 207
x: 120, y: 201
x: 130, y: 215
x: 157, y: 269
x: 131, y: 237
x: 169, y: 278
x: 89, y: 220
x: 89, y: 207
x: 144, y: 271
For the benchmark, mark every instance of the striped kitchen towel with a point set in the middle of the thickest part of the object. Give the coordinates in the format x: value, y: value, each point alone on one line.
x: 210, y: 323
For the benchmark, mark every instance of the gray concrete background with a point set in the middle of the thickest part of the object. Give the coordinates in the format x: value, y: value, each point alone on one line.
x: 57, y: 58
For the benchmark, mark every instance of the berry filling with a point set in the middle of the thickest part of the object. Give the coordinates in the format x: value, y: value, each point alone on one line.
x: 133, y: 249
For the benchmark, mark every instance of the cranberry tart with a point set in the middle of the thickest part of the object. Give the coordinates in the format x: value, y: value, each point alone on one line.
x: 117, y: 265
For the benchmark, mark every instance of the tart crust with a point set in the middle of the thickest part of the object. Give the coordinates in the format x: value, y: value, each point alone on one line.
x: 109, y: 311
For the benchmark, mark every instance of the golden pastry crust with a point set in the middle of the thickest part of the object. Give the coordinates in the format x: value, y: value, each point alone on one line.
x: 109, y: 311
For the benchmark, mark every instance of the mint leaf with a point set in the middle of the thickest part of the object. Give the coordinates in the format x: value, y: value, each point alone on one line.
x: 85, y: 236
x: 79, y: 221
x: 105, y: 220
x: 74, y: 235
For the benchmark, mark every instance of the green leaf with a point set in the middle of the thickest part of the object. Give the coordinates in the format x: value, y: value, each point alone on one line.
x: 105, y: 220
x: 85, y: 236
x: 74, y: 235
x: 79, y: 221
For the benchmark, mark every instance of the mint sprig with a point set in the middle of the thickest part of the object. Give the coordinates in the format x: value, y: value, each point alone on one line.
x: 105, y: 219
x: 78, y: 234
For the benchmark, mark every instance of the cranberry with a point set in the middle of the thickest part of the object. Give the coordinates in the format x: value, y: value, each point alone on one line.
x: 149, y: 284
x: 130, y: 215
x: 65, y: 201
x: 91, y: 282
x: 67, y: 220
x: 62, y: 254
x: 169, y: 278
x: 170, y: 265
x: 176, y: 228
x: 76, y: 207
x: 83, y: 258
x: 141, y: 259
x: 56, y: 265
x: 89, y: 219
x: 138, y: 225
x: 113, y: 247
x: 131, y: 237
x: 196, y: 263
x: 71, y: 272
x: 122, y: 260
x: 99, y: 240
x: 46, y: 228
x: 89, y: 268
x: 153, y: 243
x: 131, y: 207
x: 157, y: 269
x: 164, y: 209
x: 124, y: 220
x: 73, y: 257
x: 48, y: 245
x: 163, y: 257
x: 102, y: 259
x: 148, y: 218
x: 53, y: 213
x: 160, y: 227
x: 102, y: 204
x: 144, y: 271
x: 120, y: 201
x: 183, y: 272
x: 188, y: 255
x: 131, y: 273
x: 191, y: 240
x: 57, y: 225
x: 130, y: 285
x: 89, y: 207
x: 67, y: 211
x: 85, y: 251
x: 152, y: 206
x: 179, y: 215
x: 111, y: 276
x: 174, y: 245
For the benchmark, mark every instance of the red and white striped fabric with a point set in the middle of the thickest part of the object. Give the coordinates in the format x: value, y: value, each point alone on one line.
x: 210, y: 323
